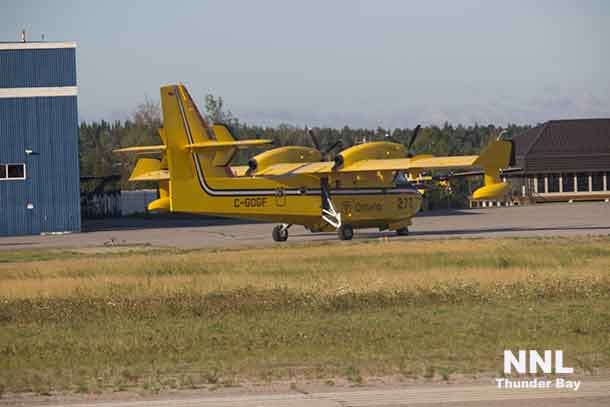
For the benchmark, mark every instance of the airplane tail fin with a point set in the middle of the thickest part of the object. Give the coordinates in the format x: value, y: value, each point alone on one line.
x: 179, y: 165
x: 187, y: 132
x: 192, y: 151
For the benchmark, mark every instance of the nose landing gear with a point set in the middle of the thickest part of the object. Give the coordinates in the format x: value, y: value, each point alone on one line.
x: 345, y: 232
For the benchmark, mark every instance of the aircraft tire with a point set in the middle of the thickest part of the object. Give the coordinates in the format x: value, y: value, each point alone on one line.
x: 345, y: 232
x: 402, y: 231
x: 279, y: 233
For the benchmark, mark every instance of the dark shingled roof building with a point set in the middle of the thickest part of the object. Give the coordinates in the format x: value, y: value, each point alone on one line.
x: 563, y: 160
x: 565, y: 145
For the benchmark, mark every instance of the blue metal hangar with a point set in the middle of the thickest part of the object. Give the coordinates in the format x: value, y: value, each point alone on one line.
x: 39, y: 167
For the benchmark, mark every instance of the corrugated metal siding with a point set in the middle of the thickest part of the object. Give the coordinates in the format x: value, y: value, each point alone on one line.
x: 49, y: 127
x: 37, y: 68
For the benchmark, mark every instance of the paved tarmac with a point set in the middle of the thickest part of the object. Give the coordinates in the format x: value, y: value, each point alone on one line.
x: 592, y: 393
x: 591, y: 218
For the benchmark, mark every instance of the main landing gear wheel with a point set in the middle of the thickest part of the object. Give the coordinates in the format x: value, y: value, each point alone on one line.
x: 402, y: 231
x: 345, y: 232
x: 280, y: 233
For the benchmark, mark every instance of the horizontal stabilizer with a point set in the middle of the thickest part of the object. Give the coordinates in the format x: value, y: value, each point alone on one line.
x: 218, y: 145
x: 161, y: 205
x: 161, y: 175
x: 148, y: 169
x: 141, y: 149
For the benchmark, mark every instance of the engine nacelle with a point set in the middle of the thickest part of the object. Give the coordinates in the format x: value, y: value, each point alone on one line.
x: 377, y: 150
x: 290, y: 154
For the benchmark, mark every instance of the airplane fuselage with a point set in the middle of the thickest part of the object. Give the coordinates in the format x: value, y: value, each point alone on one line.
x: 263, y: 199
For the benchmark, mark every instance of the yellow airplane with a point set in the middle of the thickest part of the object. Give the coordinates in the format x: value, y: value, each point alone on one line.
x: 366, y: 185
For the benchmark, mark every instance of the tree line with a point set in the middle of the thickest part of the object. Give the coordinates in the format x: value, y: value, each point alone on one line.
x: 103, y: 169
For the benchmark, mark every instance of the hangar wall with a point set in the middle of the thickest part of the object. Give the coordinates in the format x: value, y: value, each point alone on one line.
x: 39, y: 168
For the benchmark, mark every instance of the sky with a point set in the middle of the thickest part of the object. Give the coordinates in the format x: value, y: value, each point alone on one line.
x: 335, y: 63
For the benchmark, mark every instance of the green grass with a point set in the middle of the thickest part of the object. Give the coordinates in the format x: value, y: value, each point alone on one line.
x: 278, y: 344
x: 44, y: 255
x: 168, y: 319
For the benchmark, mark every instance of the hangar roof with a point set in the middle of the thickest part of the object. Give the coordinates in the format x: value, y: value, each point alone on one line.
x: 36, y: 45
x: 565, y: 146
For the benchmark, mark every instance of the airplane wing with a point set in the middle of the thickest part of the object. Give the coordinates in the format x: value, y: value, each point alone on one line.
x: 392, y: 164
x: 491, y: 159
x: 288, y: 169
x: 428, y: 163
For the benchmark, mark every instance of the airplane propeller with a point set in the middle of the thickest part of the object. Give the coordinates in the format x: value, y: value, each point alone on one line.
x: 316, y: 143
x: 314, y: 139
x: 412, y: 141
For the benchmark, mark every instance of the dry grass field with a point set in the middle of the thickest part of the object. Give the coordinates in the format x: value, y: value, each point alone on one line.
x: 143, y: 318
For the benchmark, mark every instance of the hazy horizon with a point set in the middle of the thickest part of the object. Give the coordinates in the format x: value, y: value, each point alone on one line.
x: 362, y: 64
